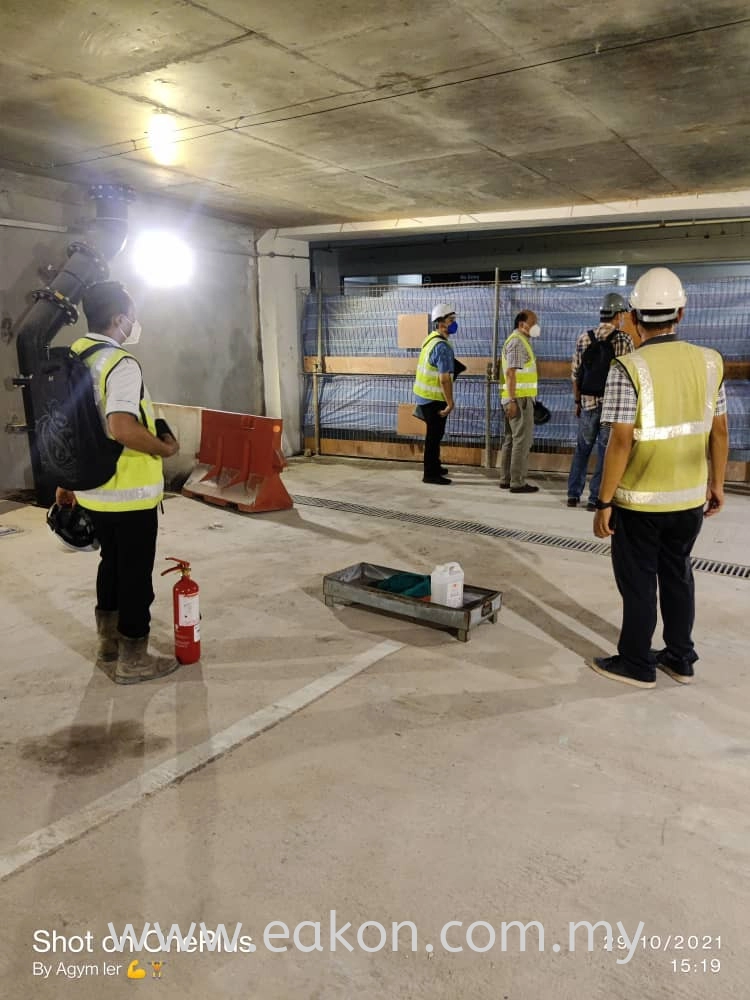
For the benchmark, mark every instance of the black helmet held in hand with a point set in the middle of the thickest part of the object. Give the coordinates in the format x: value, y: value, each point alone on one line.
x: 73, y: 528
x: 541, y: 413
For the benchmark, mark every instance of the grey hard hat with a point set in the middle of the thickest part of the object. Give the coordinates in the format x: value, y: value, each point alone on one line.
x: 613, y: 304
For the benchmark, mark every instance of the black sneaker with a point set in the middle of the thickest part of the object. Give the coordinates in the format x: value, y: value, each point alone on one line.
x: 526, y: 488
x: 591, y: 505
x: 572, y: 501
x: 504, y: 486
x: 677, y: 669
x: 612, y: 667
x: 443, y: 470
x: 437, y: 480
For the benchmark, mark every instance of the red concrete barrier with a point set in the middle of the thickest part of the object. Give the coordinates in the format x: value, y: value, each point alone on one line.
x: 240, y: 463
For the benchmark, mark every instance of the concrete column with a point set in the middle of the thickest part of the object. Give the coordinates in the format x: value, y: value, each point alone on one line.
x: 283, y: 276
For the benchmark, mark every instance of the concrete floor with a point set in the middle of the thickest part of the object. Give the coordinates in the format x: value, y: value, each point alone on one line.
x: 494, y: 781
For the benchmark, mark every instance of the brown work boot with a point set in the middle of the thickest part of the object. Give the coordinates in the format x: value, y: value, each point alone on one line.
x: 136, y: 664
x: 106, y: 627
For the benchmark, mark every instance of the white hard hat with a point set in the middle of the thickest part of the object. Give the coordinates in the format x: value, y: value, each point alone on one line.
x: 442, y: 310
x: 659, y: 294
x: 73, y: 528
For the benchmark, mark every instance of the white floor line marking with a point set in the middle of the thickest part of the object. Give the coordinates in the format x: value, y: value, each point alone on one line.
x: 51, y: 838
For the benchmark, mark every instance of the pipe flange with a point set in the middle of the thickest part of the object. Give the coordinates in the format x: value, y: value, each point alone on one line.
x: 63, y: 303
x: 94, y: 255
x: 112, y: 192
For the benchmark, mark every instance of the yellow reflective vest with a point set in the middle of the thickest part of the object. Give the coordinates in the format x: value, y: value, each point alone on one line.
x: 138, y: 482
x: 427, y: 383
x: 678, y: 386
x: 526, y: 377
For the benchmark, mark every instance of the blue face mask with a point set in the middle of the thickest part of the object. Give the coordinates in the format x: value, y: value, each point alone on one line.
x: 452, y: 327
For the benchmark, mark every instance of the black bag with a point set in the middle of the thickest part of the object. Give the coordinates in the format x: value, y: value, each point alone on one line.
x: 541, y: 414
x: 595, y: 364
x: 69, y: 438
x: 162, y: 428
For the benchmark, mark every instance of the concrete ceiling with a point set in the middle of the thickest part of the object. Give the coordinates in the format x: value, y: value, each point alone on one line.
x: 303, y: 112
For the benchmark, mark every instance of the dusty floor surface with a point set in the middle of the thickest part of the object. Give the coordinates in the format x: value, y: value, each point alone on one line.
x: 495, y: 781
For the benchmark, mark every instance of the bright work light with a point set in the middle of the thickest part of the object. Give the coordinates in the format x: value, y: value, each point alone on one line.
x: 163, y: 259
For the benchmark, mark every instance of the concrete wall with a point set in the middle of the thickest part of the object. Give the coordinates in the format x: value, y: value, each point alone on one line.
x: 200, y: 344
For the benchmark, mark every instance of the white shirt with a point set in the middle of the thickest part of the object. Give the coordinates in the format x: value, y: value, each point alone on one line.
x: 122, y: 389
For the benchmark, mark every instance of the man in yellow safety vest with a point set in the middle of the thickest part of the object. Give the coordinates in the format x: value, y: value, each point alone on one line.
x: 433, y: 389
x: 124, y: 509
x: 517, y: 395
x: 667, y: 409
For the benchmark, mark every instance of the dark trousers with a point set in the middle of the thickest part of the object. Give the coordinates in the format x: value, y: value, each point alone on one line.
x: 127, y: 553
x: 648, y: 549
x: 433, y: 437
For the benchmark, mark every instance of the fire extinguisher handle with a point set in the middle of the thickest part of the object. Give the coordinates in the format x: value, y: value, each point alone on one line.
x: 180, y: 565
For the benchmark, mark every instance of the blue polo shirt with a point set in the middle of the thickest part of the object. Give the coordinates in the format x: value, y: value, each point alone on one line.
x: 441, y: 357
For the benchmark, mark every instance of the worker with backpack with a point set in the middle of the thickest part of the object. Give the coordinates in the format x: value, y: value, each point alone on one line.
x: 595, y: 351
x: 122, y: 507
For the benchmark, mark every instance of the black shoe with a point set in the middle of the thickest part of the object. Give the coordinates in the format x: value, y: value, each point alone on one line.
x: 677, y: 669
x: 612, y: 667
x: 526, y: 488
x: 504, y: 486
x: 591, y: 505
x: 437, y: 480
x: 443, y: 470
x: 572, y: 501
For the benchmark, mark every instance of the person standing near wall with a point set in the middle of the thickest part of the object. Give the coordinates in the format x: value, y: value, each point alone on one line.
x: 594, y: 352
x: 517, y: 396
x: 433, y: 389
x: 124, y: 509
x: 667, y: 407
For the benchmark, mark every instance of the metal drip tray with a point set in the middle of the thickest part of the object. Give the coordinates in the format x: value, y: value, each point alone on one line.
x: 355, y: 585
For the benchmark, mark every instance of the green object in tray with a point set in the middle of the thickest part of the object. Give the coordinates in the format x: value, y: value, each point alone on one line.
x: 406, y: 584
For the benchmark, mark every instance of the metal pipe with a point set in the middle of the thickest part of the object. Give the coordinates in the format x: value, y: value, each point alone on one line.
x: 317, y: 371
x: 54, y: 307
x: 496, y: 321
x: 41, y: 227
x: 491, y: 365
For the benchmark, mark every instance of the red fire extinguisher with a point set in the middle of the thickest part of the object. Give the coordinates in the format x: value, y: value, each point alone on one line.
x: 187, y: 618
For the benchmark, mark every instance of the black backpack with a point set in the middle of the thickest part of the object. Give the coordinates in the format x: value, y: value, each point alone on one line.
x: 69, y: 438
x: 595, y: 364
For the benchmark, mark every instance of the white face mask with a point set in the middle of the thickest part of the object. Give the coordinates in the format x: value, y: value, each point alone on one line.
x: 134, y: 336
x: 535, y: 330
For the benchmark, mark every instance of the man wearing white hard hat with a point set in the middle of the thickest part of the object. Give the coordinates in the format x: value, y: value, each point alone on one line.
x: 667, y: 409
x: 433, y: 389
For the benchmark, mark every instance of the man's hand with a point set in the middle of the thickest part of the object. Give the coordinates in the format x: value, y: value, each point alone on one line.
x: 715, y: 499
x: 64, y: 498
x: 602, y: 527
x: 171, y: 445
x: 449, y: 408
x: 512, y: 410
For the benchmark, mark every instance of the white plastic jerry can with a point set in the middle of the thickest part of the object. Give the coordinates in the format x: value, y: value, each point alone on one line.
x: 447, y: 585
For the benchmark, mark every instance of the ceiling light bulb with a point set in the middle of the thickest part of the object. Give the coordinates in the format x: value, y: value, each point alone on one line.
x: 162, y: 136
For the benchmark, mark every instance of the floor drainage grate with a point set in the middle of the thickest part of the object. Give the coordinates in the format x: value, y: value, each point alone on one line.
x: 509, y: 534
